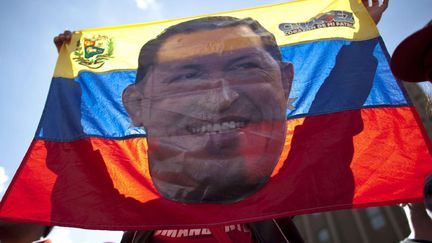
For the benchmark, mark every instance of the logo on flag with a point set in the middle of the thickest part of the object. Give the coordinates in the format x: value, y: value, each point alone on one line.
x: 93, y: 52
x: 330, y: 19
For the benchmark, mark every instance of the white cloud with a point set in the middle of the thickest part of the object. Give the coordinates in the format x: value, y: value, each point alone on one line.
x: 3, y: 179
x: 147, y: 4
x: 60, y: 235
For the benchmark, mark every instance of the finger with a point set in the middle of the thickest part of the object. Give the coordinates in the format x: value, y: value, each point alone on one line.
x: 67, y: 35
x: 60, y: 38
x: 58, y: 43
x: 56, y: 40
x: 365, y: 3
x: 385, y: 4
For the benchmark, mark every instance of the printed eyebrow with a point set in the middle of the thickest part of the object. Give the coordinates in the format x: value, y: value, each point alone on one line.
x: 189, y: 66
x: 238, y: 59
x: 181, y: 69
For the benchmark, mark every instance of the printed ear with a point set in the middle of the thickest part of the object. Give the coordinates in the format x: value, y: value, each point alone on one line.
x: 287, y: 77
x: 132, y: 100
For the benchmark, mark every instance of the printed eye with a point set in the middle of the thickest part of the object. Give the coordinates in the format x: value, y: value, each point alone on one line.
x: 243, y: 66
x: 187, y: 76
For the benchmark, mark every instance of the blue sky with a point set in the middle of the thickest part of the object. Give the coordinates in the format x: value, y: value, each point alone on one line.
x: 28, y: 55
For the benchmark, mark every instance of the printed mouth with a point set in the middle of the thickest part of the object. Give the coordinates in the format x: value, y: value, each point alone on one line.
x: 217, y: 127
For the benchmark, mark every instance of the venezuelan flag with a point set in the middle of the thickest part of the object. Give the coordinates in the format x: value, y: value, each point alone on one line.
x: 353, y: 138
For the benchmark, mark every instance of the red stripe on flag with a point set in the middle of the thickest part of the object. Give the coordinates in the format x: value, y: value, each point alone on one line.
x: 356, y: 158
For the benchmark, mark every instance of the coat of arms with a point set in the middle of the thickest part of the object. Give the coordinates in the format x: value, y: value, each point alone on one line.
x: 93, y: 52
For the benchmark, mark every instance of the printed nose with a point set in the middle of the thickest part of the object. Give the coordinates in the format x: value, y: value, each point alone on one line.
x: 221, y: 97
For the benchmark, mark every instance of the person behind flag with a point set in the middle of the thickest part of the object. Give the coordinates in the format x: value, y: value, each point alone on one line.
x: 239, y: 81
x: 173, y: 47
x: 195, y: 75
x: 227, y: 97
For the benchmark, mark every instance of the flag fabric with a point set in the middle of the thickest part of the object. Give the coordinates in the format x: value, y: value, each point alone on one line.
x: 353, y: 138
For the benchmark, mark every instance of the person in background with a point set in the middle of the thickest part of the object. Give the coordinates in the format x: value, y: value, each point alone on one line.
x: 412, y: 62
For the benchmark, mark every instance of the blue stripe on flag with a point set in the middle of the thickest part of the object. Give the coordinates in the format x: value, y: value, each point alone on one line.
x: 327, y: 80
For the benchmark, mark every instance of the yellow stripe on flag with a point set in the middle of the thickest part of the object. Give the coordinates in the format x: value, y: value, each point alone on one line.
x: 127, y: 40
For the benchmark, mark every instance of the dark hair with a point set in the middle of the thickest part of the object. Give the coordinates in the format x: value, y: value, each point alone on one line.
x: 47, y: 230
x: 149, y: 51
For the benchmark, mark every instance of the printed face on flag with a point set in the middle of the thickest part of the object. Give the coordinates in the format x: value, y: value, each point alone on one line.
x: 214, y: 107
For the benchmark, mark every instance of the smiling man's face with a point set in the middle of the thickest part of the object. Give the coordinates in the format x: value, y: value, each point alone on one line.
x: 214, y: 108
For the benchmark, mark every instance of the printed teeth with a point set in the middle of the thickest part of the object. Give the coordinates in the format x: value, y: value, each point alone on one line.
x: 217, y: 127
